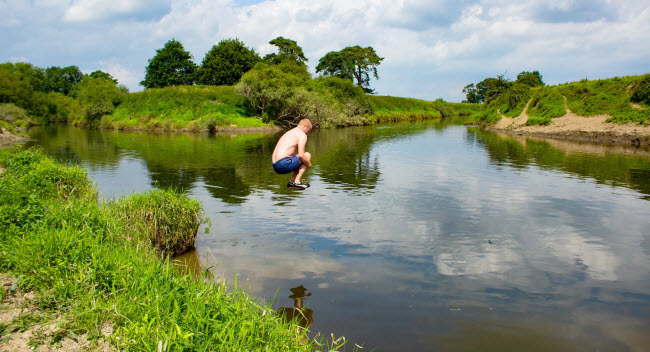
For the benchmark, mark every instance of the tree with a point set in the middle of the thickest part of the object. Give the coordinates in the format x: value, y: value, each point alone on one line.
x: 472, y: 95
x: 226, y: 62
x: 102, y: 74
x: 353, y: 62
x: 97, y: 97
x: 531, y: 79
x: 171, y: 66
x: 288, y: 50
x: 62, y: 80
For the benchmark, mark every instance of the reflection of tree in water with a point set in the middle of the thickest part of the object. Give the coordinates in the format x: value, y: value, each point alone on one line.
x: 609, y: 168
x: 164, y: 177
x: 224, y: 183
x: 299, y: 315
x: 343, y: 157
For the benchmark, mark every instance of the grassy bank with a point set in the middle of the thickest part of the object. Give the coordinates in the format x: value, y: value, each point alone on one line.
x: 93, y: 265
x: 191, y: 108
x: 624, y: 99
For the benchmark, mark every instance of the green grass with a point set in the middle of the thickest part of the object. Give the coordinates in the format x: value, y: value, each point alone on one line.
x: 614, y: 97
x: 194, y: 108
x: 393, y: 109
x: 85, y: 262
x: 608, y: 96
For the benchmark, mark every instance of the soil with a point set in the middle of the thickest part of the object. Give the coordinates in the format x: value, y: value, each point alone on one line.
x: 7, y: 138
x: 572, y: 126
x: 24, y: 327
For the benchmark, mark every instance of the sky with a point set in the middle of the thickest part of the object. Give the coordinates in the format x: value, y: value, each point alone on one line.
x: 431, y: 49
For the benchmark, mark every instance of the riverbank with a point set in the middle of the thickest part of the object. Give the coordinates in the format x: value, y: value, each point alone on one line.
x: 575, y: 127
x: 7, y: 138
x: 74, y: 268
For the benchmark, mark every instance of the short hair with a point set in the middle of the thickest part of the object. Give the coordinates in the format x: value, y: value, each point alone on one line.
x: 305, y: 122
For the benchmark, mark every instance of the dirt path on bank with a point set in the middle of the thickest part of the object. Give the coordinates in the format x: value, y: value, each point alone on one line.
x: 572, y: 126
x: 23, y: 327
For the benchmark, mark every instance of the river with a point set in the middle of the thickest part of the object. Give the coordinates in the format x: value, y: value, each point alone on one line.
x: 421, y: 237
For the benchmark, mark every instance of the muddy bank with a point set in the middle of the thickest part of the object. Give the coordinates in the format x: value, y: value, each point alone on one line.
x: 579, y: 128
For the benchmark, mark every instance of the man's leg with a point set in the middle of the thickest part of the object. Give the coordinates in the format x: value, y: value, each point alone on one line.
x: 297, y: 175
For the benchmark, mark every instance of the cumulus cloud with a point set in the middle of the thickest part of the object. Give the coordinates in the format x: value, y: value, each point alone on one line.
x: 94, y: 10
x: 431, y: 48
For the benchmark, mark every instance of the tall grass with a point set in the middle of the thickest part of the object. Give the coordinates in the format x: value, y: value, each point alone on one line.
x: 83, y: 260
x: 394, y: 109
x: 195, y: 108
x: 547, y: 103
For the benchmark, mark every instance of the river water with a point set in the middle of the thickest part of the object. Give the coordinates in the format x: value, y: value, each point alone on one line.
x: 419, y: 237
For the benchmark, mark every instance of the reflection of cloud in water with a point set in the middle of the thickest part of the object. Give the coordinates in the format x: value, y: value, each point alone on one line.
x: 471, y: 259
x: 567, y: 245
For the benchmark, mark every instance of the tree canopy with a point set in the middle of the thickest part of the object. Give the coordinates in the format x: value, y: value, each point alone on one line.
x: 353, y: 62
x: 486, y: 90
x: 288, y: 50
x: 531, y: 79
x: 102, y: 74
x: 62, y: 80
x: 171, y: 66
x: 226, y: 62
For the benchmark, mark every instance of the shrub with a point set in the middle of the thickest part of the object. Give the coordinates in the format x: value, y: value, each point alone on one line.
x: 641, y: 93
x: 166, y: 218
x: 547, y: 103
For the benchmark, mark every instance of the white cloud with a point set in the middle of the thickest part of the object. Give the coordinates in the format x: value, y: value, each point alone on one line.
x: 427, y: 46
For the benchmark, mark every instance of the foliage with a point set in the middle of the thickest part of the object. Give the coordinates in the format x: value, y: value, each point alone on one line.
x: 547, y: 103
x: 353, y: 62
x: 226, y: 62
x: 609, y: 96
x: 76, y: 256
x: 62, y: 80
x: 102, y: 74
x: 487, y: 90
x: 168, y: 219
x: 393, y: 109
x: 513, y: 101
x: 195, y: 108
x: 21, y: 85
x: 531, y: 79
x: 14, y: 115
x: 641, y: 92
x: 171, y: 66
x: 472, y: 95
x: 97, y: 97
x: 288, y: 51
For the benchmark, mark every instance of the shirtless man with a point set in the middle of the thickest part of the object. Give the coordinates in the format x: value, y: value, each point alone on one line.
x: 286, y: 160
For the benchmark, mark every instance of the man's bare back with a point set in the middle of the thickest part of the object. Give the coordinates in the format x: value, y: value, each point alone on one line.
x: 289, y: 154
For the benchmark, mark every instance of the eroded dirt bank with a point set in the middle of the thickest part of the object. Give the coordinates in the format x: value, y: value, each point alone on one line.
x: 572, y: 126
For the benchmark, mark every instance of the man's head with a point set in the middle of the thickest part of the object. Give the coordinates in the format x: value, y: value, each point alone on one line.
x: 305, y: 125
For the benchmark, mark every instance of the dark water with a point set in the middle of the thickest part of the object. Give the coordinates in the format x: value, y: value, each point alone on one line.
x: 413, y: 237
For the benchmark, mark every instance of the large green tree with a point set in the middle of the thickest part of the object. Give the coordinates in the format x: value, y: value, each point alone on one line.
x: 226, y: 62
x: 62, y: 79
x: 486, y: 90
x: 171, y: 66
x: 353, y: 62
x: 288, y: 50
x: 97, y: 97
x: 531, y: 79
x: 102, y: 74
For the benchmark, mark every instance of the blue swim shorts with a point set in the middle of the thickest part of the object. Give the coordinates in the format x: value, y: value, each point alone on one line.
x: 287, y: 165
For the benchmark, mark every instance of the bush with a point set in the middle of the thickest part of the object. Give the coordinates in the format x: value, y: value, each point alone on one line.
x: 547, y: 103
x: 641, y: 93
x: 169, y: 220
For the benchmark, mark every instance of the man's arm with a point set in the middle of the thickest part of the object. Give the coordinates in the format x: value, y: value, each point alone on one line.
x: 302, y: 140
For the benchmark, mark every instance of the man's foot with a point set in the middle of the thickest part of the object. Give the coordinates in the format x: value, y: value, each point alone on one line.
x: 301, y: 185
x: 291, y: 185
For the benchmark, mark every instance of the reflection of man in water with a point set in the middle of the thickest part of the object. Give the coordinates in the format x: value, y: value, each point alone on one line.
x: 290, y: 156
x: 301, y: 316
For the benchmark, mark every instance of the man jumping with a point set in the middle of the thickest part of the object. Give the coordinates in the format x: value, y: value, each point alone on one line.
x: 285, y: 159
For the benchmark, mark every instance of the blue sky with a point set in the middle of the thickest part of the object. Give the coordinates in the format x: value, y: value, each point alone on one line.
x: 431, y: 49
